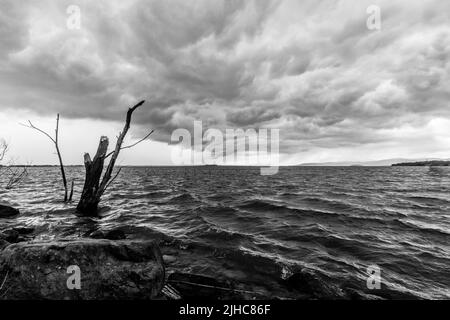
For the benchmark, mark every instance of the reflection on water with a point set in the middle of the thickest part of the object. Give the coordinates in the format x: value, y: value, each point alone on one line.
x: 230, y: 222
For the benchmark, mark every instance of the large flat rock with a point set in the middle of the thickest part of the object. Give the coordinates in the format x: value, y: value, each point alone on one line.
x: 108, y: 270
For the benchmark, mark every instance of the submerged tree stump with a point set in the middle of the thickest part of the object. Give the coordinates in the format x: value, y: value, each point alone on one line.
x: 90, y: 197
x: 94, y: 188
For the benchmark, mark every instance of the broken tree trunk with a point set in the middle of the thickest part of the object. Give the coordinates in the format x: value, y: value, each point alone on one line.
x: 89, y: 197
x: 94, y: 188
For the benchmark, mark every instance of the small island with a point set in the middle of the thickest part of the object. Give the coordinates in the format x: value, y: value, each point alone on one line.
x: 432, y: 163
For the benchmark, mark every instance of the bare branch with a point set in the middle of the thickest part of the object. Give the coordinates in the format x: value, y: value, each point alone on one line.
x: 114, y: 178
x: 132, y: 145
x: 55, y: 141
x: 57, y: 128
x: 3, y: 149
x: 71, y: 191
x: 16, y: 177
x: 61, y: 165
x: 31, y: 126
x: 112, y: 162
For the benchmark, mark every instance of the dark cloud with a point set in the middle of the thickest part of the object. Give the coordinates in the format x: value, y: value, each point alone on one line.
x: 311, y: 69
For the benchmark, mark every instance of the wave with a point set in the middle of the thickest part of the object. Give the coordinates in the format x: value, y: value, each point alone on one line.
x: 181, y: 198
x: 429, y: 201
x: 261, y: 205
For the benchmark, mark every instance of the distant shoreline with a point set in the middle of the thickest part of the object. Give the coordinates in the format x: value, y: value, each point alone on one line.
x: 422, y: 163
x: 406, y: 164
x: 433, y: 163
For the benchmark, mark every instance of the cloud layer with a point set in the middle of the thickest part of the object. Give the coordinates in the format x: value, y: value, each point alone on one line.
x: 312, y: 69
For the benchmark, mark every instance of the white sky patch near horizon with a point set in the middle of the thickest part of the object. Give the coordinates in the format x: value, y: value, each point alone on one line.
x: 28, y: 146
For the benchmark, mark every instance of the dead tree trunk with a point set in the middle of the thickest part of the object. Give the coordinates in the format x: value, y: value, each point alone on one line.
x: 90, y: 197
x: 94, y: 188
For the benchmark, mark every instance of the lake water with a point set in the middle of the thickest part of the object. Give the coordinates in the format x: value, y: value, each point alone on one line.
x: 233, y: 223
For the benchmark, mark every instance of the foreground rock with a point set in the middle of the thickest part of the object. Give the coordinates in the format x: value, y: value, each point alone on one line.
x: 7, y: 211
x: 14, y: 235
x: 107, y: 269
x: 310, y: 286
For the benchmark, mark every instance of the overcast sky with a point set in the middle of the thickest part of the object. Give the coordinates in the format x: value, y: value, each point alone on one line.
x: 335, y: 89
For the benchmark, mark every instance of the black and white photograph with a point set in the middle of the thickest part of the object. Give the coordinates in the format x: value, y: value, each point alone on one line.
x: 224, y: 150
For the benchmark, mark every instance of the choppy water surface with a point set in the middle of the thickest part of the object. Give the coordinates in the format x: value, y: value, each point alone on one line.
x: 230, y: 222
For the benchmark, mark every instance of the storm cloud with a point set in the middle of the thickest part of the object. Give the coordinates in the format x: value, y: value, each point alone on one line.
x: 310, y: 68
